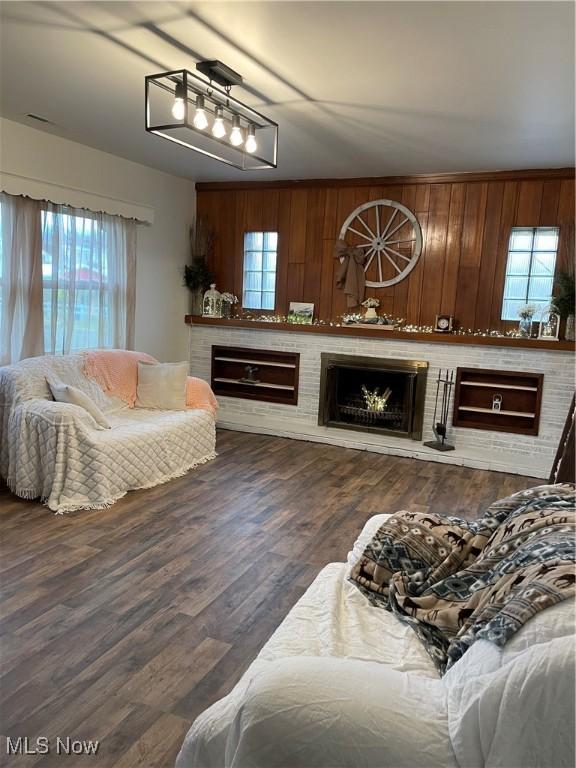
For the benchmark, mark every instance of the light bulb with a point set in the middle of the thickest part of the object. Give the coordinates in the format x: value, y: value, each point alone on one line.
x: 236, y: 138
x: 200, y: 120
x: 179, y: 106
x: 251, y: 144
x: 219, y: 129
x: 178, y: 109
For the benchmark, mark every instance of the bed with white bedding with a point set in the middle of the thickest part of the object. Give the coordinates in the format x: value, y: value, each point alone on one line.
x: 343, y: 683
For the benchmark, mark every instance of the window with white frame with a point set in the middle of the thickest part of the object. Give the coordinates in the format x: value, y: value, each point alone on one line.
x: 259, y: 273
x: 529, y: 269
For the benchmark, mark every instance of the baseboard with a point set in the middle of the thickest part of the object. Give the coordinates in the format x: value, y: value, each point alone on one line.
x: 512, y: 463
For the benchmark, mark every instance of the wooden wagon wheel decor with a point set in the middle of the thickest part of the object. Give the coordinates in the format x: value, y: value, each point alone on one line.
x: 392, y: 236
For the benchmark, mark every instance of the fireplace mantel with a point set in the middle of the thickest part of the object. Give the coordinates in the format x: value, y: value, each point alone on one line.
x: 376, y: 333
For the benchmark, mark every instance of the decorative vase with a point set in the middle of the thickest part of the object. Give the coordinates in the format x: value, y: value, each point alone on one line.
x: 226, y: 309
x: 569, y: 332
x: 196, y: 302
x: 212, y: 305
x: 370, y: 313
x: 525, y: 327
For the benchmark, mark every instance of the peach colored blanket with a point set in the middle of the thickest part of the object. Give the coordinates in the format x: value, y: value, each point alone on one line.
x: 200, y: 395
x: 116, y: 371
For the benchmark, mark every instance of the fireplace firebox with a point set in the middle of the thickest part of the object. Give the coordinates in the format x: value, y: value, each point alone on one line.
x: 371, y: 394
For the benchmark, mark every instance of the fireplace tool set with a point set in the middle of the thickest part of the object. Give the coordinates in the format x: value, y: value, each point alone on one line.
x: 440, y: 427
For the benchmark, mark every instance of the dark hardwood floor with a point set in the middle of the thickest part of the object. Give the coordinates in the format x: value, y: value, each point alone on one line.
x: 123, y: 624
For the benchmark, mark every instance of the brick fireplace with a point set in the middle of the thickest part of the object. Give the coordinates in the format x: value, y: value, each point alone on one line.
x: 345, y: 378
x: 482, y: 449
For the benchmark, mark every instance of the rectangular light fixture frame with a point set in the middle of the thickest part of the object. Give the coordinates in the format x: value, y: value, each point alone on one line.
x: 213, y: 97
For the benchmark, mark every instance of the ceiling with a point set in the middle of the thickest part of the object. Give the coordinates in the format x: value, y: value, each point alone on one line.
x: 358, y: 88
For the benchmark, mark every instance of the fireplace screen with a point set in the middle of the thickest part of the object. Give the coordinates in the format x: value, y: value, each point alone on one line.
x: 372, y: 394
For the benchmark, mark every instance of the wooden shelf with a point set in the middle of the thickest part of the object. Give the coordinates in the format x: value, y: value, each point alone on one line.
x: 254, y: 384
x: 497, y: 413
x: 277, y: 374
x: 500, y: 386
x: 255, y: 362
x: 367, y: 332
x: 520, y: 393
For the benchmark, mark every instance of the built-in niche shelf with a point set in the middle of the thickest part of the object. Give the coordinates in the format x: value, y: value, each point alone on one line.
x: 255, y: 374
x: 519, y: 395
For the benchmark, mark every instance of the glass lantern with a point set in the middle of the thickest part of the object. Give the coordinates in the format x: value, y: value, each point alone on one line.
x: 212, y: 304
x: 549, y: 325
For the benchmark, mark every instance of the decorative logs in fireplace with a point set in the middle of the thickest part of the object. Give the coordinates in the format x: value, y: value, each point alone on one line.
x: 344, y: 402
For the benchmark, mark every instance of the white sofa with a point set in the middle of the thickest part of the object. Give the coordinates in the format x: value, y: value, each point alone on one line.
x: 342, y: 683
x: 56, y: 452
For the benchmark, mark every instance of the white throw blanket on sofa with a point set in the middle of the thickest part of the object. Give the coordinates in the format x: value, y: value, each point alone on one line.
x: 57, y: 452
x: 342, y: 683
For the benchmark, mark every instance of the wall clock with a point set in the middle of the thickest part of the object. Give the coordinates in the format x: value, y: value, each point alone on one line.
x: 392, y: 237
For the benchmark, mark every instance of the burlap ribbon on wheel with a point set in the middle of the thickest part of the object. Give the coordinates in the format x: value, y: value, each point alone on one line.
x: 350, y: 275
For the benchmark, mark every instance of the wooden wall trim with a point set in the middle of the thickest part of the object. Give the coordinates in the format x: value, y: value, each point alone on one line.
x: 534, y: 174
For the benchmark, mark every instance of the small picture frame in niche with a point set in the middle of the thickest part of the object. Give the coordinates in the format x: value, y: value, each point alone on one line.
x: 300, y: 313
x: 443, y: 323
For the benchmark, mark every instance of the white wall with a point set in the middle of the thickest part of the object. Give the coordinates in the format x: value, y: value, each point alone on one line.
x: 161, y: 300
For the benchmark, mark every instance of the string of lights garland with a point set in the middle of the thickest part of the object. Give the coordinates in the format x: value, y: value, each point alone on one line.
x: 398, y: 323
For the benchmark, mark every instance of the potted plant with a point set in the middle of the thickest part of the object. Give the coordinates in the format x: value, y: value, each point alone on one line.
x: 563, y: 302
x: 197, y: 275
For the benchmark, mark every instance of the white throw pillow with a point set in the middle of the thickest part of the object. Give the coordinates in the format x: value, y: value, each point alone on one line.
x: 64, y: 393
x: 162, y: 385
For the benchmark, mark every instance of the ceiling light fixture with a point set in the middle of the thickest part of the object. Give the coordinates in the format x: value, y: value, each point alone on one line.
x: 252, y: 143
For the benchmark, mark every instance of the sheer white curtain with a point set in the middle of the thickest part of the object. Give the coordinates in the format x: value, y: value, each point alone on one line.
x: 67, y: 279
x: 21, y: 325
x: 89, y: 266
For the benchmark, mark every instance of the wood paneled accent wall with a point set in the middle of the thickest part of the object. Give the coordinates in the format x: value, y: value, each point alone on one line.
x: 465, y: 219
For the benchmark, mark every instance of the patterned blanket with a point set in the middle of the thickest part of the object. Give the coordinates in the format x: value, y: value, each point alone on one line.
x: 455, y: 581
